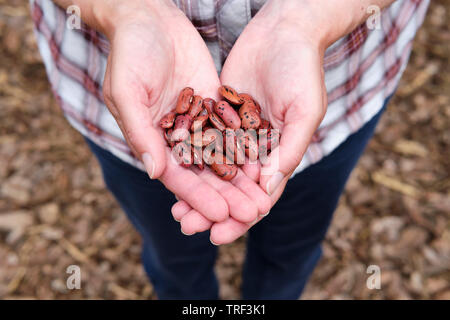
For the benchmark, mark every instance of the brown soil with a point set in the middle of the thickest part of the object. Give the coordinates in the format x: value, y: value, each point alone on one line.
x: 55, y: 211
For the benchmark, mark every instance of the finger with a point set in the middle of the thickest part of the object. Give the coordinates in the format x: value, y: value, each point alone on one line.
x: 275, y: 196
x: 194, y: 190
x: 114, y: 112
x: 228, y: 231
x: 241, y: 206
x: 179, y: 209
x: 193, y: 222
x: 254, y: 192
x: 131, y: 100
x: 106, y: 90
x: 252, y: 170
x: 300, y: 123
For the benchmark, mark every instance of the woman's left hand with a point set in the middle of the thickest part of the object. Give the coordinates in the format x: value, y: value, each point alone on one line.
x: 279, y: 62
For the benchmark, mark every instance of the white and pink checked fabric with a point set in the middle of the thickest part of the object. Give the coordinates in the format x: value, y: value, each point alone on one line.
x: 361, y: 69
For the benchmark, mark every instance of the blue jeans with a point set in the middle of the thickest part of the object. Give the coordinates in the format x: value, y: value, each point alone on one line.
x: 282, y: 249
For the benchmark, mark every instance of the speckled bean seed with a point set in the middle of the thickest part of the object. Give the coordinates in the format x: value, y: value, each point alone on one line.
x: 184, y: 100
x: 209, y: 104
x: 250, y: 120
x: 181, y: 129
x: 182, y: 153
x: 224, y: 171
x: 230, y: 95
x: 227, y: 113
x: 168, y: 120
x: 196, y: 106
x: 216, y: 121
x: 199, y: 123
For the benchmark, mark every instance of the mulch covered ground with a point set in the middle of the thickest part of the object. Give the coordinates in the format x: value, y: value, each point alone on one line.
x: 55, y: 211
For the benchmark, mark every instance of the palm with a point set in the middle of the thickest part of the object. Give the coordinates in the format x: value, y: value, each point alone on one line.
x: 280, y: 73
x: 157, y: 64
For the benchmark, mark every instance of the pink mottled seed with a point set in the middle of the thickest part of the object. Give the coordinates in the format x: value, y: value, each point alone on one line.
x: 250, y: 120
x: 196, y: 106
x: 231, y: 95
x: 225, y: 171
x: 227, y: 113
x: 216, y: 121
x: 168, y: 120
x: 184, y: 100
x: 209, y: 104
x: 182, y: 154
x: 182, y: 125
x: 199, y: 123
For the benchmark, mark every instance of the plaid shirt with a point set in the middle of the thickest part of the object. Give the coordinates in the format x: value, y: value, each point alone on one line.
x: 361, y: 69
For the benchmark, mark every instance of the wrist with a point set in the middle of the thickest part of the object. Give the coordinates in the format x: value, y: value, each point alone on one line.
x: 297, y: 18
x: 106, y: 16
x: 322, y: 21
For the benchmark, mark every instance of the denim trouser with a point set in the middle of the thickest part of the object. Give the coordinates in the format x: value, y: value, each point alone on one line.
x: 282, y: 249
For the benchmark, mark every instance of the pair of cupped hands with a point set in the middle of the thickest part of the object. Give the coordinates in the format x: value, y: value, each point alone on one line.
x: 156, y: 51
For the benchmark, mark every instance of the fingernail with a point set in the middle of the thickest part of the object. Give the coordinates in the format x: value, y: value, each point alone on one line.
x: 251, y: 224
x: 263, y: 215
x: 149, y: 164
x: 213, y: 242
x: 274, y: 182
x: 176, y: 197
x: 186, y: 234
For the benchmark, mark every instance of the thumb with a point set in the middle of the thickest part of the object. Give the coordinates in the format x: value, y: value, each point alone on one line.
x: 143, y: 136
x: 294, y: 138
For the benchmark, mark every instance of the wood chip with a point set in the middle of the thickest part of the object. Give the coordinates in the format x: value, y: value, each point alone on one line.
x: 76, y: 253
x: 395, y: 184
x: 409, y: 147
